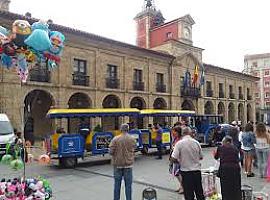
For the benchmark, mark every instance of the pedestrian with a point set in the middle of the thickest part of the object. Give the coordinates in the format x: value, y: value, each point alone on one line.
x: 248, y: 140
x: 262, y: 148
x: 158, y: 130
x: 229, y: 170
x: 241, y: 144
x: 188, y: 153
x: 122, y: 149
x: 175, y: 166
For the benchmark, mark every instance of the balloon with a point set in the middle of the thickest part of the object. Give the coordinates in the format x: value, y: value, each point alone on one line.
x: 57, y: 42
x: 6, y: 159
x: 9, y: 49
x: 3, y: 35
x: 44, y: 159
x: 39, y: 39
x: 17, y: 164
x: 21, y: 29
x: 6, y: 60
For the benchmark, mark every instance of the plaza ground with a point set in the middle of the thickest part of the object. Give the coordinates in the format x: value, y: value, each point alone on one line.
x: 94, y: 181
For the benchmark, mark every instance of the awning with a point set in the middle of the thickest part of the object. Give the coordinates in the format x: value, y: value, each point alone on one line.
x: 79, y: 113
x: 167, y: 113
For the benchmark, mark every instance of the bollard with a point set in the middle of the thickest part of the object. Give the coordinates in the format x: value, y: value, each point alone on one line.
x: 149, y: 194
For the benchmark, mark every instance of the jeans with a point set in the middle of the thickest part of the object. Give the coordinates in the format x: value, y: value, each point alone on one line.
x: 192, y: 183
x: 119, y: 174
x: 159, y: 149
x: 262, y: 156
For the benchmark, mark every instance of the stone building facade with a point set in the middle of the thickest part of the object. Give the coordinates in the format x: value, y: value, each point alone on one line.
x: 96, y: 72
x: 259, y: 65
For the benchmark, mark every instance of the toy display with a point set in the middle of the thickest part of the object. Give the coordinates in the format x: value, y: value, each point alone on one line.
x: 25, y: 45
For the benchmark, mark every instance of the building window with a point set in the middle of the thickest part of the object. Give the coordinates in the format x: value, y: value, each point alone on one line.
x: 221, y: 90
x: 255, y: 64
x: 241, y: 96
x: 160, y: 87
x: 112, y: 81
x: 138, y: 83
x: 80, y: 73
x: 267, y: 94
x: 266, y: 73
x: 79, y: 66
x: 257, y: 95
x: 112, y: 71
x: 249, y: 97
x: 169, y: 35
x: 266, y: 84
x: 138, y: 75
x: 231, y: 94
x: 209, y: 91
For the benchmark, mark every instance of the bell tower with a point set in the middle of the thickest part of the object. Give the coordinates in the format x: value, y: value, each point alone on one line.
x: 145, y: 20
x: 4, y: 5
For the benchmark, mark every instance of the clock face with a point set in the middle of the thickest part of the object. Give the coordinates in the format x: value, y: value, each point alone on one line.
x: 186, y: 33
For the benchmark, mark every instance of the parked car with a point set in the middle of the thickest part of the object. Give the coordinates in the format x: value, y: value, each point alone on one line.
x: 7, y: 135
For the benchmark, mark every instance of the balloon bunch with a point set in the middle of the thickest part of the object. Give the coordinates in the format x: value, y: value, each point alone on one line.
x: 29, y: 189
x: 14, y: 160
x: 25, y: 45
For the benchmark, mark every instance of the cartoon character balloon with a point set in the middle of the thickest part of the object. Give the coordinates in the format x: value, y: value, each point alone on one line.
x: 39, y: 39
x: 21, y: 29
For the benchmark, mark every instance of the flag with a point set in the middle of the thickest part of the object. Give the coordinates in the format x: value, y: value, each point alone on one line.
x: 196, y: 74
x: 202, y: 81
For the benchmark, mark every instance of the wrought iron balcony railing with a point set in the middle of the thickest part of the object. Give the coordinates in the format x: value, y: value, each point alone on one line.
x: 161, y: 88
x: 221, y: 95
x: 112, y: 83
x: 138, y: 86
x: 232, y: 96
x: 209, y: 93
x: 40, y: 75
x: 191, y: 92
x: 79, y: 79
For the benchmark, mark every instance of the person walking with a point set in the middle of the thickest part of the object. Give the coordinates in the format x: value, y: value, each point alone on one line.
x: 188, y: 153
x: 262, y: 148
x: 248, y: 140
x: 175, y: 166
x: 158, y: 130
x: 122, y: 149
x: 229, y: 170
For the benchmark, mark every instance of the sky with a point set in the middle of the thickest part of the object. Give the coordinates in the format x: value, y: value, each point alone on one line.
x: 226, y: 29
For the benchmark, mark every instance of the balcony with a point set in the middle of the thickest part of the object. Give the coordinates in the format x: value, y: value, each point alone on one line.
x: 249, y: 97
x: 221, y: 95
x: 191, y: 92
x: 161, y: 88
x: 139, y: 86
x: 231, y: 96
x: 112, y: 83
x: 209, y: 93
x: 241, y: 96
x: 42, y: 75
x: 80, y: 79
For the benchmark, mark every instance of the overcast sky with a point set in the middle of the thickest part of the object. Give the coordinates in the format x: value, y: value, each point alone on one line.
x: 226, y: 29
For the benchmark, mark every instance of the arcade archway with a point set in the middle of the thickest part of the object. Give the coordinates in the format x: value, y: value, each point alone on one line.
x: 221, y: 109
x: 187, y: 105
x: 139, y: 103
x: 241, y: 112
x: 160, y: 103
x: 79, y: 100
x: 36, y: 105
x: 249, y: 113
x: 208, y: 108
x: 231, y: 112
x: 111, y: 123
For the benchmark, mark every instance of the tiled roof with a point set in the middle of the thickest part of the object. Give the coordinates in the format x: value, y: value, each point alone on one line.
x: 209, y: 68
x: 13, y: 16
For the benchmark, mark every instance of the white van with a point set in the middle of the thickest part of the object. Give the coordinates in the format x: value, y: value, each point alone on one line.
x: 6, y: 133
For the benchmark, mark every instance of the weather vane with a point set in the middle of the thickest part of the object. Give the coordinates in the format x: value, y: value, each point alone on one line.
x: 149, y: 3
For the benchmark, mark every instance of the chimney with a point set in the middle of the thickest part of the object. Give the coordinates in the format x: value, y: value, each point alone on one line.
x: 4, y: 5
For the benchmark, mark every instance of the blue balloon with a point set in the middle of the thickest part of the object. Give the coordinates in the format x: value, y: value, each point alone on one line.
x: 6, y: 61
x: 39, y: 39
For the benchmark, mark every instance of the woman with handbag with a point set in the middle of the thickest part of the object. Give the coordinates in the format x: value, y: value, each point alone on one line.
x: 174, y: 167
x: 229, y: 170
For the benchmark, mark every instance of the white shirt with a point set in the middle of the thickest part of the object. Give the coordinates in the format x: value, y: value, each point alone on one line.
x: 261, y: 143
x: 188, y: 152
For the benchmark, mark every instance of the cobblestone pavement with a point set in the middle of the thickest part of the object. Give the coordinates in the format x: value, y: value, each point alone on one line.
x: 94, y: 181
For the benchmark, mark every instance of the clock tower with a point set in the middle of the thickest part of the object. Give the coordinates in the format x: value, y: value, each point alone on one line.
x: 4, y: 5
x: 148, y: 18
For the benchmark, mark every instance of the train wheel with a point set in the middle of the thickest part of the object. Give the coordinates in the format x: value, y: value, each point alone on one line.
x: 68, y: 162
